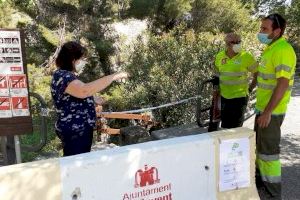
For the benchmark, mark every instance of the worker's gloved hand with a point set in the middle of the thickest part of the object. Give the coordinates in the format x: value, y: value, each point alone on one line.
x: 215, y: 80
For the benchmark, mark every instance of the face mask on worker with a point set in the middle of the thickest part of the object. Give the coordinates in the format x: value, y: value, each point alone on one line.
x: 237, y: 48
x: 264, y: 38
x: 80, y: 66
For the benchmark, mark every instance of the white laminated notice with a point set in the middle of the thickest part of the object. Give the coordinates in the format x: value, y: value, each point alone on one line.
x: 234, y: 164
x: 11, y: 61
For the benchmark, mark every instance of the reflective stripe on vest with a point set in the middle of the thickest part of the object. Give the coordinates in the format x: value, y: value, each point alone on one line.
x: 265, y: 157
x: 283, y: 67
x: 233, y: 73
x: 271, y: 76
x: 233, y: 82
x: 266, y: 76
x: 270, y: 87
x: 271, y: 179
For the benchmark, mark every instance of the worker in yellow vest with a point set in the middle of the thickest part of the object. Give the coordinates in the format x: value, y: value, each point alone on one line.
x: 274, y: 83
x: 233, y: 66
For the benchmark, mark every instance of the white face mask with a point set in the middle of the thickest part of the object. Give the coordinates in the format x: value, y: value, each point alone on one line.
x: 237, y: 48
x: 80, y: 66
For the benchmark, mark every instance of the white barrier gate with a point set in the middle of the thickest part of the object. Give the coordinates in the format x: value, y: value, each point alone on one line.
x: 217, y: 165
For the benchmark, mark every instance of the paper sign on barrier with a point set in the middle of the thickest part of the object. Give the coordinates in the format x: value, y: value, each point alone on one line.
x: 234, y: 164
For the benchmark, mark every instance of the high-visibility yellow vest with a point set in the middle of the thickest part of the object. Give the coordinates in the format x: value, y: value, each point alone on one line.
x: 233, y: 73
x: 278, y: 60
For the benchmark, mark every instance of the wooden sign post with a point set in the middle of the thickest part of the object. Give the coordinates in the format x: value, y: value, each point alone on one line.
x: 15, y: 117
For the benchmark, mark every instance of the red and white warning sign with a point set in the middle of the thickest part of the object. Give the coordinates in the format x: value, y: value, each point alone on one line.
x: 18, y: 85
x: 4, y: 89
x: 20, y: 106
x: 5, y: 111
x: 11, y: 58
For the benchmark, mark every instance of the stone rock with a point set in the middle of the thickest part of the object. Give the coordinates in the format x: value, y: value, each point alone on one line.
x: 134, y: 135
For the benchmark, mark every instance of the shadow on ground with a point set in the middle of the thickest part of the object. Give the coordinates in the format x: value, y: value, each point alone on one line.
x: 290, y: 157
x: 296, y: 88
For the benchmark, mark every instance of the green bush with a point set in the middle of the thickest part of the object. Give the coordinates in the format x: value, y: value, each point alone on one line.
x: 167, y: 68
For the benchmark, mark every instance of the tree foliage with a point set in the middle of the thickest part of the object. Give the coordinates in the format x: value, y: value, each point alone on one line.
x: 263, y: 7
x: 170, y: 68
x: 294, y: 21
x: 5, y: 14
x: 86, y: 21
x: 201, y: 15
x: 162, y: 14
x: 220, y: 16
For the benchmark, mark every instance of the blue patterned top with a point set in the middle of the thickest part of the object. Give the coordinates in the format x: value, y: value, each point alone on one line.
x: 74, y: 114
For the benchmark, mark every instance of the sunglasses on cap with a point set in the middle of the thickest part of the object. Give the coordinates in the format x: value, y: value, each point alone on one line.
x: 274, y: 18
x: 235, y: 42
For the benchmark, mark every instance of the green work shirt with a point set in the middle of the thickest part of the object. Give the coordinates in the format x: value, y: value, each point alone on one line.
x: 233, y: 73
x: 278, y: 60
